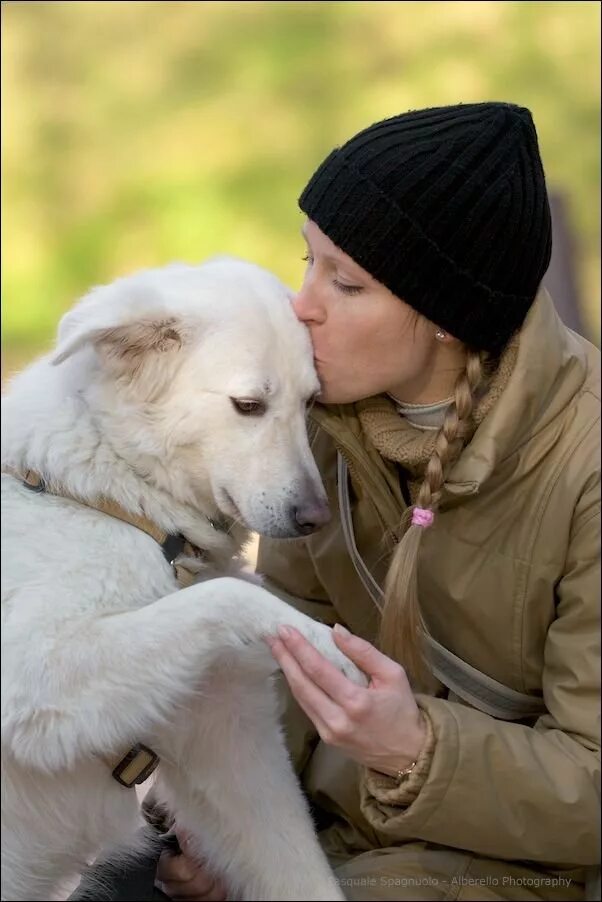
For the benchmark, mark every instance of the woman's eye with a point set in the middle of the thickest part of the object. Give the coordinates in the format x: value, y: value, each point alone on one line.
x: 340, y: 286
x: 346, y: 289
x: 248, y: 406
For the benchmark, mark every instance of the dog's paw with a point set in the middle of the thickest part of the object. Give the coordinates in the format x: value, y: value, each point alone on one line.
x: 321, y: 637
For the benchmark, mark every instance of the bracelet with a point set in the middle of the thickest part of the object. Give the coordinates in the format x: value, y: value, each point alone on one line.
x: 408, y: 770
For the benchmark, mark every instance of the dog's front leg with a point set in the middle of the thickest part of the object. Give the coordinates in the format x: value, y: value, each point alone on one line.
x: 109, y: 681
x: 116, y: 679
x: 227, y: 778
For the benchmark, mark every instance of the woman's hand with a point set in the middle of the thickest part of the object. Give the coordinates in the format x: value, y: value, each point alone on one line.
x: 381, y: 726
x: 182, y: 877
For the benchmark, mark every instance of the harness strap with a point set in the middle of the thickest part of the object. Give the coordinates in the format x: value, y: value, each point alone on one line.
x: 462, y: 679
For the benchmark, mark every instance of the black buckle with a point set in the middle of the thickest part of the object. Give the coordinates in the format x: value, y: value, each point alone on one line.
x: 136, y: 766
x: 172, y: 547
x: 39, y: 488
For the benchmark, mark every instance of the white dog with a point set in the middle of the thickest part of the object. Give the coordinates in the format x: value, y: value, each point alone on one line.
x: 175, y: 396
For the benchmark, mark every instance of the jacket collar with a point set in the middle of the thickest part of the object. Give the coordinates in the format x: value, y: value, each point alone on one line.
x: 550, y: 369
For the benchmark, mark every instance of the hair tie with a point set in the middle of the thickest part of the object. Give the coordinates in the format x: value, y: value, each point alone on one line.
x: 422, y: 516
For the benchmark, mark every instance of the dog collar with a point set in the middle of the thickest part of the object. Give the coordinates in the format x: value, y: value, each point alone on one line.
x: 172, y: 545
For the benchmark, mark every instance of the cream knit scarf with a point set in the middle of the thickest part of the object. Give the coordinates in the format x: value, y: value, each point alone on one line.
x: 398, y: 440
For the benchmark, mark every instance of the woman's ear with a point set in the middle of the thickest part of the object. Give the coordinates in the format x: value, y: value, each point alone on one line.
x: 444, y: 337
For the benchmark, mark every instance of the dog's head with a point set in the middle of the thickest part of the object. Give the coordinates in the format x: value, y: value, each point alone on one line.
x: 202, y: 377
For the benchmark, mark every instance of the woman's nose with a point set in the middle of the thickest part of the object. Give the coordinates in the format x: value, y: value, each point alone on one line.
x: 307, y: 307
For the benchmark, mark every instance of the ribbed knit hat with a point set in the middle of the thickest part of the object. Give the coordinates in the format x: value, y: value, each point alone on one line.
x: 448, y: 208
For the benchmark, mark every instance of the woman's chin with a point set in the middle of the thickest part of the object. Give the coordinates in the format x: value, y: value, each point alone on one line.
x: 332, y: 396
x: 324, y: 396
x: 333, y: 393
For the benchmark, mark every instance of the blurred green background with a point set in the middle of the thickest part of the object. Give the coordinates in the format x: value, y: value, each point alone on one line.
x: 135, y: 133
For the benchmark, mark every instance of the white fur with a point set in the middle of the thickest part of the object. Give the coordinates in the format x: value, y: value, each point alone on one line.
x: 99, y: 648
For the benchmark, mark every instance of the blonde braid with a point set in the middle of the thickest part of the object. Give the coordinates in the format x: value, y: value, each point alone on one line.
x: 402, y: 626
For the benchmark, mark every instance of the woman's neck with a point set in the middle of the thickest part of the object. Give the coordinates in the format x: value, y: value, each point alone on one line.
x: 436, y: 382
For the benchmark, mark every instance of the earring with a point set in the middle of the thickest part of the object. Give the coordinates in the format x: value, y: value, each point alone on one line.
x: 440, y: 335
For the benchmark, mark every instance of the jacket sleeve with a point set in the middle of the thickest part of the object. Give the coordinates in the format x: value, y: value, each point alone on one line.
x: 288, y: 572
x: 508, y: 790
x: 286, y: 569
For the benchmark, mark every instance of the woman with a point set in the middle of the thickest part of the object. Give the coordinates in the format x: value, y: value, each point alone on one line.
x: 458, y: 439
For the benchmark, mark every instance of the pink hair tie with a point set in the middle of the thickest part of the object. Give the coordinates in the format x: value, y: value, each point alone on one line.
x: 421, y: 516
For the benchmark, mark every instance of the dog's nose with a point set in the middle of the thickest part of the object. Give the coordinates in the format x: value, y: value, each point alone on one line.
x: 312, y: 516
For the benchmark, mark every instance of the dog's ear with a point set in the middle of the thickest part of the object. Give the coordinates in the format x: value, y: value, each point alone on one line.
x: 126, y: 322
x: 125, y: 345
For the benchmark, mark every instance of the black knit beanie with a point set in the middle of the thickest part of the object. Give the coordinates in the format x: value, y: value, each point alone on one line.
x: 448, y: 208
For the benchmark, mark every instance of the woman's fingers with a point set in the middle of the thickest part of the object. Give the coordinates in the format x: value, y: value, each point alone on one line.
x: 216, y: 894
x: 368, y: 658
x: 176, y: 868
x: 321, y: 671
x: 183, y: 878
x: 320, y: 709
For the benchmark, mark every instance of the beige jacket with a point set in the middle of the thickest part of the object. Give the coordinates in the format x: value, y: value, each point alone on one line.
x: 509, y: 580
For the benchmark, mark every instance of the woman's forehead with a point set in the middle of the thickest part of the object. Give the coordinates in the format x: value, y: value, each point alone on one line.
x: 329, y: 250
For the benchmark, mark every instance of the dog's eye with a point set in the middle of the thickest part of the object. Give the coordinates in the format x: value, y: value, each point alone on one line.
x: 248, y: 406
